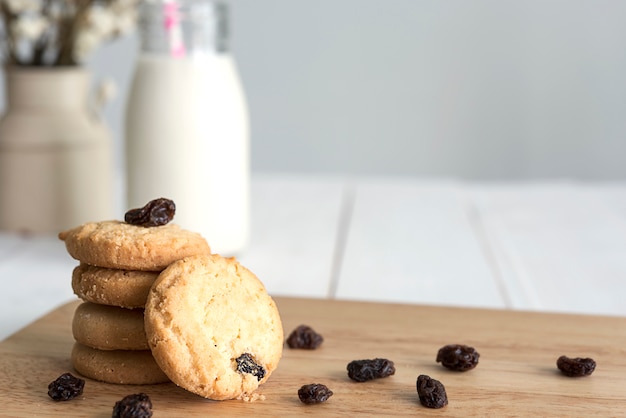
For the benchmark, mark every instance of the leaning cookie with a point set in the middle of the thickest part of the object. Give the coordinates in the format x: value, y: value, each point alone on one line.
x: 109, y: 327
x: 124, y: 288
x: 117, y: 366
x: 212, y: 327
x: 119, y: 245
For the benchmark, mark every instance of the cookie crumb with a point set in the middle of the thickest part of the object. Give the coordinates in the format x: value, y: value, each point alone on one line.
x: 251, y: 397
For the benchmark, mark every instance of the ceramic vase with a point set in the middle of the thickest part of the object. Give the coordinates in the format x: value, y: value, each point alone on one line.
x: 56, y: 168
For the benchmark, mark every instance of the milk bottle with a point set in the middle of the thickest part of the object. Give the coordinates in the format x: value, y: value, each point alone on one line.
x: 187, y: 125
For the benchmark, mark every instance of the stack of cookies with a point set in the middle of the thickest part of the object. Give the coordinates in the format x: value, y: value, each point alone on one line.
x: 119, y: 263
x: 158, y: 306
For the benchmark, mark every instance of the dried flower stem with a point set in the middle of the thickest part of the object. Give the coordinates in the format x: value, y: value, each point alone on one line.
x: 67, y: 33
x: 8, y: 42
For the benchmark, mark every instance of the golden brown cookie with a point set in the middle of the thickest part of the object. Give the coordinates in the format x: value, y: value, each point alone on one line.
x: 124, y: 288
x: 118, y: 245
x: 212, y: 327
x: 109, y: 327
x: 117, y: 366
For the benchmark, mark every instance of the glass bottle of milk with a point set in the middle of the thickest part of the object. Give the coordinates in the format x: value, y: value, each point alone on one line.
x: 187, y: 125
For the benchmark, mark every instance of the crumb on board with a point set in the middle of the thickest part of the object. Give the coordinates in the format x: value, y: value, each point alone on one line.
x: 251, y: 397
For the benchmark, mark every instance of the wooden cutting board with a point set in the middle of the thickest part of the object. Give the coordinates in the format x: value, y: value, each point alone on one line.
x: 516, y: 376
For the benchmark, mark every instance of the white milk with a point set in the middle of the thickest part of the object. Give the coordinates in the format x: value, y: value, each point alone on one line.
x: 187, y: 139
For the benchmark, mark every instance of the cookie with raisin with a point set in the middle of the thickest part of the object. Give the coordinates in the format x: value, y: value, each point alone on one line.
x: 213, y: 328
x: 119, y: 245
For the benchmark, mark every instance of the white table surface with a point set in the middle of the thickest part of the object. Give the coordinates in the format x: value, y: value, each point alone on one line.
x: 557, y: 246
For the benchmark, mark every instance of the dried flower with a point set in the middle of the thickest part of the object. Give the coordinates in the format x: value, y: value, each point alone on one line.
x: 85, y: 43
x: 21, y: 6
x: 61, y: 32
x: 28, y: 28
x: 99, y: 20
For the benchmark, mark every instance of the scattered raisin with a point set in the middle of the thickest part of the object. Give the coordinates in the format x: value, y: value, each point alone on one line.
x: 431, y: 392
x: 245, y: 364
x: 66, y: 387
x: 458, y: 357
x: 137, y: 405
x: 363, y: 370
x: 574, y: 367
x: 314, y: 393
x: 304, y: 337
x: 155, y: 213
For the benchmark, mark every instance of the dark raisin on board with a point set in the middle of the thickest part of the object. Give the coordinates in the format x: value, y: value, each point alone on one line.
x: 156, y: 212
x: 66, y: 387
x: 575, y: 367
x: 304, y: 337
x: 137, y: 405
x: 245, y: 364
x: 458, y: 357
x: 431, y: 392
x: 364, y: 370
x: 314, y: 393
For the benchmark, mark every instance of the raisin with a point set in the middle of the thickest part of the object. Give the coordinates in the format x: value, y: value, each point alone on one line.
x: 155, y: 213
x: 574, y: 367
x: 137, y: 405
x: 431, y: 392
x: 458, y: 357
x: 363, y: 370
x: 304, y: 337
x: 245, y: 364
x: 314, y: 393
x: 66, y: 387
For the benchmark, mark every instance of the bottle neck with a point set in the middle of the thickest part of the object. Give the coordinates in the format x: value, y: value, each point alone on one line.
x: 222, y: 28
x: 184, y: 28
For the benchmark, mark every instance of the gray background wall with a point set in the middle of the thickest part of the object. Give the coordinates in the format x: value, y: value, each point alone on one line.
x: 477, y: 89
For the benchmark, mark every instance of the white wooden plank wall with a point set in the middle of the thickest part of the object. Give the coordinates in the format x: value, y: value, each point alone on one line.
x: 415, y: 242
x: 559, y: 246
x: 36, y: 277
x: 550, y: 246
x: 293, y: 234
